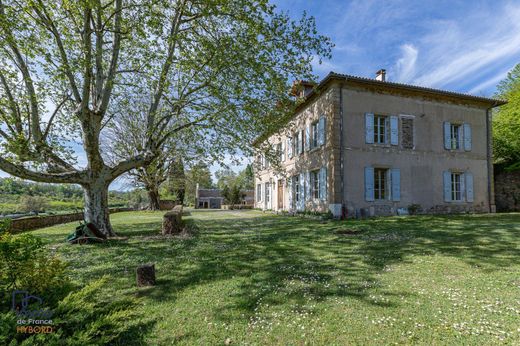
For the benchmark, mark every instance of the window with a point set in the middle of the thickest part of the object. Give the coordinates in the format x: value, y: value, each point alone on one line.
x: 315, y: 184
x: 407, y: 133
x: 455, y: 136
x: 258, y: 192
x: 380, y: 129
x: 380, y: 183
x: 296, y: 184
x: 280, y: 150
x: 267, y: 193
x: 314, y: 135
x: 456, y: 188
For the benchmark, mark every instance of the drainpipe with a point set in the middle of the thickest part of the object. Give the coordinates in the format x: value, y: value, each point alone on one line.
x: 341, y: 164
x: 491, y: 200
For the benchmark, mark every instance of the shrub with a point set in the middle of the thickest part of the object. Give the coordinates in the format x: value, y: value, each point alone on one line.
x: 414, y: 209
x: 33, y: 203
x: 25, y: 264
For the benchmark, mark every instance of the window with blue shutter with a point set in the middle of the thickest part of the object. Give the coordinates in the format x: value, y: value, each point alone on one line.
x: 307, y: 185
x: 447, y: 135
x: 467, y: 137
x: 394, y: 130
x: 369, y: 184
x: 462, y: 180
x: 321, y: 131
x: 323, y: 183
x: 447, y: 185
x: 469, y: 187
x: 289, y: 148
x: 290, y: 191
x: 396, y: 184
x: 369, y: 128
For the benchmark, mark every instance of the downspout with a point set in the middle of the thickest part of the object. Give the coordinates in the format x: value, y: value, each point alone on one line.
x: 489, y: 158
x: 341, y: 164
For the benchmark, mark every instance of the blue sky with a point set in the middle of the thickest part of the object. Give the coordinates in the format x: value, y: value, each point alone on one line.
x: 464, y: 46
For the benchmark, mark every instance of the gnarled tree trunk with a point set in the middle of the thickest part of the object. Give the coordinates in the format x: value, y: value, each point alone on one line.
x: 96, y: 207
x: 153, y: 197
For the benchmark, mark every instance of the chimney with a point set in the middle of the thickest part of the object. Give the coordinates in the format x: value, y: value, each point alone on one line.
x: 301, y: 88
x: 381, y: 75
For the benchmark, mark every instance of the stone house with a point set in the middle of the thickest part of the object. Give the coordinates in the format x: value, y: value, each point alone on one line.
x: 359, y: 146
x: 213, y: 199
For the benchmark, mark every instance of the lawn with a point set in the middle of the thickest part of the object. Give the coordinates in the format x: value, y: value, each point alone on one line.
x: 245, y: 277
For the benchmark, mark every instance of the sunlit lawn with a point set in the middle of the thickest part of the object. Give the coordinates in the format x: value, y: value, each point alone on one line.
x: 251, y: 278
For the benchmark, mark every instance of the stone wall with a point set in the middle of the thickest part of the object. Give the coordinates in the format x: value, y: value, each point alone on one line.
x: 507, y: 191
x: 35, y: 222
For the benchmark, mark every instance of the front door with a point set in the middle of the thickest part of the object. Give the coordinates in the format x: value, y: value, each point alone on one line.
x: 280, y: 194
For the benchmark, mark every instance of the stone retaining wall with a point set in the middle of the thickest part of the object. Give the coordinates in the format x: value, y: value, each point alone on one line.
x: 35, y: 222
x: 507, y: 191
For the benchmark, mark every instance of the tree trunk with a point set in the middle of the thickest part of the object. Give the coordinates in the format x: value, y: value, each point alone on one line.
x: 96, y: 207
x: 153, y: 197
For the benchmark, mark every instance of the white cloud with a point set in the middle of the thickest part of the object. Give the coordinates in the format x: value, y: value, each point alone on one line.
x: 406, y: 65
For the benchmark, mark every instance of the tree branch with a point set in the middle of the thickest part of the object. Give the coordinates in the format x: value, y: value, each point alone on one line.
x: 24, y: 173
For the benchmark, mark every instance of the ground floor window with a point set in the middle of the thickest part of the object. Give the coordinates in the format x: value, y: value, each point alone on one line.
x: 456, y: 190
x: 267, y: 193
x: 258, y: 192
x: 296, y: 184
x: 315, y: 184
x: 380, y: 183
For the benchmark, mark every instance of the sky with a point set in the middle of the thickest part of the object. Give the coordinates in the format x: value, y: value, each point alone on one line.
x: 462, y: 46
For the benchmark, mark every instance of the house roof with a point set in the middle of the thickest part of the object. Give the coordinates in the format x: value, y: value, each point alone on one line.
x: 395, y: 87
x: 210, y: 193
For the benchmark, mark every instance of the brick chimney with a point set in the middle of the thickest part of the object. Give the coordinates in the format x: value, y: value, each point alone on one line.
x: 381, y: 75
x: 301, y: 88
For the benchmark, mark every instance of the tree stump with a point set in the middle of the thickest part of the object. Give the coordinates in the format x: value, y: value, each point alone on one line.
x: 172, y: 221
x: 145, y: 275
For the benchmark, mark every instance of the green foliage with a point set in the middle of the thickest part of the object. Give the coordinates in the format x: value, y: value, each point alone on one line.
x: 414, y: 209
x: 33, y: 203
x: 25, y: 264
x: 506, y: 121
x: 198, y: 173
x: 5, y: 224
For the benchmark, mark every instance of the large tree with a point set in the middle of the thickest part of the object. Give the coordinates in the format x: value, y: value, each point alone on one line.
x: 69, y: 69
x: 506, y: 121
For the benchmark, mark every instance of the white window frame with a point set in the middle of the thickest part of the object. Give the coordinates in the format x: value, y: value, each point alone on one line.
x: 381, y: 173
x: 381, y: 122
x: 456, y: 187
x: 314, y: 134
x: 315, y: 184
x: 455, y: 136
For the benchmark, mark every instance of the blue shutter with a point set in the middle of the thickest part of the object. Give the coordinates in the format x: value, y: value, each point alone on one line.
x: 394, y: 130
x: 369, y: 184
x: 321, y: 131
x: 289, y: 192
x: 467, y: 137
x: 463, y: 187
x: 289, y: 148
x: 447, y: 135
x: 323, y: 183
x: 396, y: 184
x: 307, y: 137
x: 469, y: 187
x: 447, y: 186
x: 369, y: 128
x: 307, y: 185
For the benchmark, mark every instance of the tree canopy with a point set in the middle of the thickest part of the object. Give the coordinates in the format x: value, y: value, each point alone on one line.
x: 209, y: 70
x: 506, y: 121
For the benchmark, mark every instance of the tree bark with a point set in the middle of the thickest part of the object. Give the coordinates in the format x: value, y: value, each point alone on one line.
x: 153, y: 197
x: 96, y: 207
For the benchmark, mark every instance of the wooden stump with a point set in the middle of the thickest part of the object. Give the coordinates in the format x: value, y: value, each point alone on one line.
x: 172, y: 221
x: 145, y: 275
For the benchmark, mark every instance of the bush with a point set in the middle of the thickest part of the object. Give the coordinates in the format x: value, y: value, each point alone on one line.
x: 414, y: 209
x: 33, y: 203
x: 24, y: 264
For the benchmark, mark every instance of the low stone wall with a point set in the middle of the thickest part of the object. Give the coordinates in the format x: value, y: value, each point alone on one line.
x: 236, y: 206
x: 507, y: 191
x: 35, y: 222
x: 167, y: 204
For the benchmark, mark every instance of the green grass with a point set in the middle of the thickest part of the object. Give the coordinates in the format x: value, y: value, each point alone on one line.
x: 262, y: 279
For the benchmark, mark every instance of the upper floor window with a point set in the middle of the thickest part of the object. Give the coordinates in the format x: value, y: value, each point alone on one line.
x: 298, y: 142
x: 281, y: 152
x: 315, y: 129
x: 457, y: 136
x: 381, y: 129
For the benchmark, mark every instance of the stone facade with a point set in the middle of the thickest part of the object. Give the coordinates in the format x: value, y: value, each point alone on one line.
x: 386, y: 146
